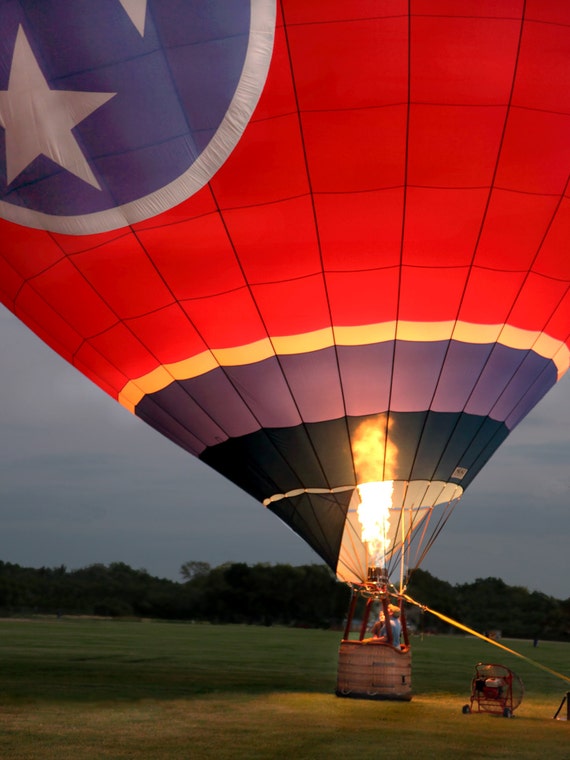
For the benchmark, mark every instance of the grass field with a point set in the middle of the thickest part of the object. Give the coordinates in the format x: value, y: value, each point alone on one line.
x: 89, y: 689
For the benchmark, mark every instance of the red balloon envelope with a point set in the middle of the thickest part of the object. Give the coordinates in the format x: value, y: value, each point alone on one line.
x: 319, y: 245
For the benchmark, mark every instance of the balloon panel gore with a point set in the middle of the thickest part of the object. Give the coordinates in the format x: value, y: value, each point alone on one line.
x: 273, y: 464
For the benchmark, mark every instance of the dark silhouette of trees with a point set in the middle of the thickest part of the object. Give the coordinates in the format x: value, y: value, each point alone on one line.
x: 231, y: 593
x: 265, y: 594
x: 489, y: 604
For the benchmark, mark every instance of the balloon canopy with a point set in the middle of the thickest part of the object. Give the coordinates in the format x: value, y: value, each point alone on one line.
x: 323, y: 246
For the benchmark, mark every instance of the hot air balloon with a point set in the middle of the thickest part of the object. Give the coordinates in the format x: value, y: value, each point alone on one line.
x: 322, y: 246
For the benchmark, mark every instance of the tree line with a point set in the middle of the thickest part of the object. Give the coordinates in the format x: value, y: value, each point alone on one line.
x: 266, y: 594
x: 489, y: 605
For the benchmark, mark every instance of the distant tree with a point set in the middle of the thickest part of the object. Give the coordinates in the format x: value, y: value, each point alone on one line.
x: 191, y: 570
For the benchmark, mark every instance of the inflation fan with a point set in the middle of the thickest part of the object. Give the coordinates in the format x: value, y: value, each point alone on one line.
x: 495, y: 689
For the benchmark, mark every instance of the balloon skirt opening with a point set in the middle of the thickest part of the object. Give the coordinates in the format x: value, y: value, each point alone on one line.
x: 374, y: 671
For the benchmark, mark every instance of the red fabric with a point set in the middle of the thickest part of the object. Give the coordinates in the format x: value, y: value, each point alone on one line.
x: 351, y: 165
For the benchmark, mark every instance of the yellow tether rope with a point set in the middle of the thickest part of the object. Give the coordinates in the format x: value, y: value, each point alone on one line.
x: 484, y: 638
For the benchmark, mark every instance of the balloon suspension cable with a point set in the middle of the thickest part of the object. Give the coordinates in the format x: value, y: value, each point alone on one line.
x: 377, y: 585
x: 377, y: 588
x: 481, y: 636
x: 435, y: 530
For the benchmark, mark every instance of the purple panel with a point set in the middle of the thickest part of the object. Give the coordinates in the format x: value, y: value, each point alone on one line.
x: 315, y: 384
x: 181, y: 423
x: 501, y: 366
x: 366, y: 374
x: 215, y: 394
x: 417, y: 367
x: 498, y: 382
x: 265, y: 390
x: 523, y: 393
x: 461, y: 369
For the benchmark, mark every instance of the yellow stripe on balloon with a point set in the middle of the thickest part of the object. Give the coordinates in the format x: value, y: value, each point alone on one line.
x: 358, y: 335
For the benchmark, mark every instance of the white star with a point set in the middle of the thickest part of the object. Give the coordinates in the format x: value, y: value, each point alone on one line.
x: 39, y: 121
x: 136, y: 11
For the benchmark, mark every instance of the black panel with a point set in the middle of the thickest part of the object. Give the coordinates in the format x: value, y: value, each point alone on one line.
x: 318, y: 519
x: 305, y: 457
x: 331, y: 441
x: 405, y: 432
x: 437, y: 431
x: 254, y: 463
x: 470, y: 436
x: 491, y: 436
x: 277, y: 461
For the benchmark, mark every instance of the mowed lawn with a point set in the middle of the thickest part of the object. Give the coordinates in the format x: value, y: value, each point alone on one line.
x: 77, y: 689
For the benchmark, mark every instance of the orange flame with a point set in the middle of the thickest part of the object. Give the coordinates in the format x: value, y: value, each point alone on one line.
x: 374, y: 459
x: 374, y: 516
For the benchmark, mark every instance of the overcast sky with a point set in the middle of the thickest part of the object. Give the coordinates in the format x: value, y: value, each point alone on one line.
x: 83, y: 481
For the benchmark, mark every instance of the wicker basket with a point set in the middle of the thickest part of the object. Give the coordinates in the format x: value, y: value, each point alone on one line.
x: 374, y: 671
